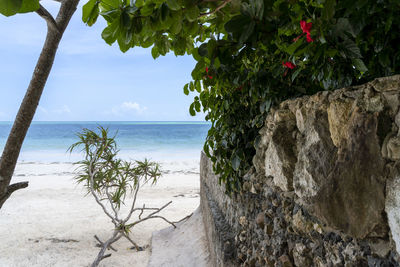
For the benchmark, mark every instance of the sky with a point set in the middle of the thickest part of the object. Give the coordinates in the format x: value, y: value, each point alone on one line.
x: 90, y: 80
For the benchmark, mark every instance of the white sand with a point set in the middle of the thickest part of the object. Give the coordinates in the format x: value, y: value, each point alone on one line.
x: 181, y: 247
x: 52, y: 223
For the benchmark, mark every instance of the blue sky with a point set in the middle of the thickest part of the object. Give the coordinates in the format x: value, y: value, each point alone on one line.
x: 90, y: 80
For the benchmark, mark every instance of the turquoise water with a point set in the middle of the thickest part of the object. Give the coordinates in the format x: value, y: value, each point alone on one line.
x: 49, y: 141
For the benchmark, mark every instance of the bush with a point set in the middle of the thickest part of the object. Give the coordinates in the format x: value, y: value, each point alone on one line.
x: 275, y: 50
x: 110, y: 181
x: 252, y: 54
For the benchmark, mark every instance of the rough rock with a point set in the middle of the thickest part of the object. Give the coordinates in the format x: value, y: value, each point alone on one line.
x: 392, y: 208
x: 325, y: 187
x: 279, y: 156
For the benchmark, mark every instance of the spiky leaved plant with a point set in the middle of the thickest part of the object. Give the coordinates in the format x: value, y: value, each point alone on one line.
x: 110, y: 180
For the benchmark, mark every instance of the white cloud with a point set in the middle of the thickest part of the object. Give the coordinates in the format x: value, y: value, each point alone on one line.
x: 64, y: 109
x: 42, y: 110
x: 127, y: 108
x: 132, y: 106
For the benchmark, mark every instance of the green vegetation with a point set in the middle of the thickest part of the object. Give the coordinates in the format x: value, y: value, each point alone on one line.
x: 252, y: 54
x: 111, y: 181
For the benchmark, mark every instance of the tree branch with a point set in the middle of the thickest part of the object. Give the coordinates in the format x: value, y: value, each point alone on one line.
x: 51, y: 23
x: 101, y: 243
x: 106, y: 245
x: 91, y: 175
x: 133, y: 203
x: 30, y: 102
x: 11, y: 189
x: 215, y: 10
x: 112, y: 205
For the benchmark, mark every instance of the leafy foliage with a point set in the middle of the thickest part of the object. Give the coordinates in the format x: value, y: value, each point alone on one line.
x: 12, y: 7
x: 111, y: 178
x: 252, y: 54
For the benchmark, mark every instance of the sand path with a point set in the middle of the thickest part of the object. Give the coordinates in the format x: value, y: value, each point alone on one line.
x: 52, y: 223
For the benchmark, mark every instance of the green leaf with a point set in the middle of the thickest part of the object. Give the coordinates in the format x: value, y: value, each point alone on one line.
x: 247, y: 31
x: 352, y: 49
x: 111, y: 15
x: 191, y: 110
x: 109, y: 4
x: 131, y: 10
x: 173, y: 4
x: 154, y: 52
x: 294, y: 75
x: 191, y: 86
x: 198, y: 86
x: 137, y: 25
x: 342, y: 27
x: 29, y: 6
x: 203, y: 50
x: 110, y: 33
x: 292, y: 48
x: 197, y: 106
x: 147, y: 10
x: 329, y: 9
x: 192, y: 13
x: 176, y: 27
x: 10, y: 7
x: 139, y: 3
x: 359, y: 64
x: 235, y: 162
x: 236, y: 24
x: 186, y: 89
x: 258, y: 7
x: 90, y: 12
x: 164, y: 12
x: 123, y: 43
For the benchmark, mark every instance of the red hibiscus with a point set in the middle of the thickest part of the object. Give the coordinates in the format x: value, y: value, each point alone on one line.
x: 209, y: 76
x: 289, y: 65
x: 309, y: 39
x: 306, y: 28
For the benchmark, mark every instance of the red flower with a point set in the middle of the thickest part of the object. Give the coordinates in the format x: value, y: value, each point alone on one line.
x: 289, y: 65
x: 309, y: 39
x: 306, y: 27
x: 209, y: 76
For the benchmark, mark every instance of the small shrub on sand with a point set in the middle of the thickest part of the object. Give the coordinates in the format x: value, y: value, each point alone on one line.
x: 110, y: 181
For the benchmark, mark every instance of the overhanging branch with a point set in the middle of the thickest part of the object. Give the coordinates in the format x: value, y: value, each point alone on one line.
x: 51, y: 23
x: 11, y: 189
x: 215, y: 10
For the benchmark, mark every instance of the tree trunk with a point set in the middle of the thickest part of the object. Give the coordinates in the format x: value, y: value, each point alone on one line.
x: 55, y: 30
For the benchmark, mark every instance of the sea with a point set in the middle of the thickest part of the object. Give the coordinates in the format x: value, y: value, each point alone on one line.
x: 168, y: 142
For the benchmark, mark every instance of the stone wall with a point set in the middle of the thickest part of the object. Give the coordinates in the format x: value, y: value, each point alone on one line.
x: 324, y: 189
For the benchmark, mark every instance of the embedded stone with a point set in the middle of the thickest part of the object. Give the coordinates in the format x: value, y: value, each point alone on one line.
x: 393, y: 148
x: 260, y: 220
x: 338, y: 116
x: 392, y: 208
x: 243, y: 221
x: 384, y: 84
x: 280, y: 155
x: 352, y: 198
x: 316, y: 156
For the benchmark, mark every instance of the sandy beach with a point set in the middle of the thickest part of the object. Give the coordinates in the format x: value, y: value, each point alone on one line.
x: 52, y: 222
